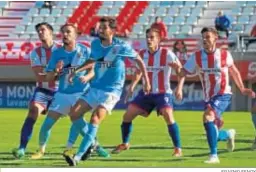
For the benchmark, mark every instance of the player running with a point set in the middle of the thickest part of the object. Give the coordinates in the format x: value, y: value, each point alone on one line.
x: 63, y: 61
x: 44, y: 90
x: 108, y: 54
x: 213, y: 66
x: 157, y: 61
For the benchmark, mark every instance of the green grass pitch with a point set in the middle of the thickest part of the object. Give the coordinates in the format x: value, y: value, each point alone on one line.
x: 151, y: 145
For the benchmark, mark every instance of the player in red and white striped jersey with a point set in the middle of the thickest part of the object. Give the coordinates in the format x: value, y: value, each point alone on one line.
x: 44, y: 91
x: 157, y: 61
x: 213, y: 66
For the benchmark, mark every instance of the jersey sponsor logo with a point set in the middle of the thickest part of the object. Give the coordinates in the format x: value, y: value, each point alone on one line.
x: 105, y: 64
x: 211, y: 70
x: 155, y: 69
x: 68, y: 69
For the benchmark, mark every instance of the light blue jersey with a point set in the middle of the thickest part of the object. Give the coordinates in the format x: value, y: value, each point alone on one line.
x: 110, y: 65
x: 71, y: 61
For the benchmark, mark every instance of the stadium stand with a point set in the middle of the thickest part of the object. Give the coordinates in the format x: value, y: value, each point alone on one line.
x: 184, y: 19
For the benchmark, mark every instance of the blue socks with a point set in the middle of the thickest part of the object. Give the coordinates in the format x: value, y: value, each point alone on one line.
x: 88, y: 139
x: 254, y: 119
x: 46, y: 130
x: 223, y: 135
x: 174, y: 133
x: 73, y: 134
x: 126, y: 129
x: 81, y: 125
x: 26, y: 132
x: 212, y: 135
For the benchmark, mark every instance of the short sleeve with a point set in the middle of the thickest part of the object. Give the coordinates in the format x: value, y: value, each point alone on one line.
x: 34, y: 59
x: 95, y: 50
x: 230, y: 60
x: 190, y: 65
x: 171, y: 57
x: 88, y: 52
x: 128, y: 51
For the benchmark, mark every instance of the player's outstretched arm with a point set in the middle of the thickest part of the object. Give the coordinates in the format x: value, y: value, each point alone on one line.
x: 50, y: 76
x: 88, y: 76
x: 142, y: 67
x: 176, y: 65
x: 39, y: 74
x: 87, y: 65
x: 239, y: 83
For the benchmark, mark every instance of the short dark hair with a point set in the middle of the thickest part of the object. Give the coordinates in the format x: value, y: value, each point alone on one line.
x: 209, y: 29
x: 157, y: 17
x: 45, y: 24
x: 153, y: 30
x: 110, y: 20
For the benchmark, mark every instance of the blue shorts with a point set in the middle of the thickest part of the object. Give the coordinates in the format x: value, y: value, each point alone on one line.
x: 151, y: 101
x: 43, y: 97
x: 219, y: 104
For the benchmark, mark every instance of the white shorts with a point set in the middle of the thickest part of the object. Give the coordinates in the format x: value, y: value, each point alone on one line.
x: 96, y: 98
x: 62, y: 102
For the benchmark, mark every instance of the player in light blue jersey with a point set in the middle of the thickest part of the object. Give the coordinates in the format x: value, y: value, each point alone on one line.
x: 108, y: 54
x: 63, y: 61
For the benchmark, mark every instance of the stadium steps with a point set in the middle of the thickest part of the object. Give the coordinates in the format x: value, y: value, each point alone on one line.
x: 221, y: 5
x: 134, y: 15
x: 210, y: 12
x: 12, y: 13
x: 21, y: 4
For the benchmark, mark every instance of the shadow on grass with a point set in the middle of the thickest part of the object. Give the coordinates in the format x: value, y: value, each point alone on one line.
x: 137, y: 160
x: 244, y: 141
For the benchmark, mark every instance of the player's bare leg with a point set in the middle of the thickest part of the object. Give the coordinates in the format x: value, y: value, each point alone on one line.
x: 126, y: 127
x: 173, y: 130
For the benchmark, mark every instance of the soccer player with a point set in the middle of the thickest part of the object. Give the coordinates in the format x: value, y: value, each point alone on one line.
x: 44, y: 91
x: 157, y: 61
x: 108, y: 54
x: 213, y: 66
x: 63, y: 61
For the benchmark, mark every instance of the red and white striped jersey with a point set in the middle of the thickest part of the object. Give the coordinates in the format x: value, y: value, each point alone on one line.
x: 40, y: 56
x: 159, y: 71
x: 213, y: 70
